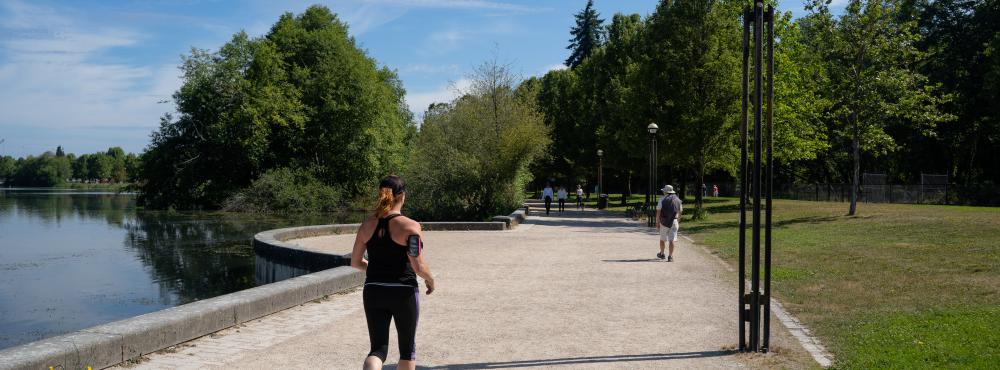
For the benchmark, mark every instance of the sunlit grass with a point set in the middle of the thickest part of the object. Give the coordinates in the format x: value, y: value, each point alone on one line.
x: 870, y: 283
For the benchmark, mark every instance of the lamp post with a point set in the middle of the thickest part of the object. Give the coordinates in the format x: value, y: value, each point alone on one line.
x: 600, y: 180
x: 650, y: 197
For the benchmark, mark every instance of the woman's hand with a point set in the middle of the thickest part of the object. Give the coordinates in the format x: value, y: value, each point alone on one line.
x: 430, y: 286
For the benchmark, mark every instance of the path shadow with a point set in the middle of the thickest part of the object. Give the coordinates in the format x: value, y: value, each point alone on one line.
x: 636, y: 260
x: 591, y: 221
x: 581, y: 360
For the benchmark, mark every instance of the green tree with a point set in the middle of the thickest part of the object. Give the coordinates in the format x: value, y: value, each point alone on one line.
x: 454, y: 177
x: 693, y: 73
x: 587, y: 35
x: 870, y: 55
x: 8, y: 167
x: 303, y: 96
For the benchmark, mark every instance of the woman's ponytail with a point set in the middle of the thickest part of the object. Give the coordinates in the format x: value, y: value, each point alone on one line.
x: 385, y: 202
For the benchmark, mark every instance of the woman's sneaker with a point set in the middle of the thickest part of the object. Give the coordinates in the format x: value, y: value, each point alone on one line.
x: 660, y: 255
x: 670, y: 259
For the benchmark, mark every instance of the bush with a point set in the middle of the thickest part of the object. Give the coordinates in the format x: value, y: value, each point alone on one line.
x: 285, y: 190
x: 471, y: 157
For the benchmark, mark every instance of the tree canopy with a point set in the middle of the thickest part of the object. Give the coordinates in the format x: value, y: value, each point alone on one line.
x: 302, y: 96
x: 587, y: 35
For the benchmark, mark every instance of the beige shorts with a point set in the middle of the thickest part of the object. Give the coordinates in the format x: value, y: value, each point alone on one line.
x: 669, y: 234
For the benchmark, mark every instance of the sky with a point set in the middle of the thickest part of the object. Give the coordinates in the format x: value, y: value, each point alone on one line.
x: 88, y: 75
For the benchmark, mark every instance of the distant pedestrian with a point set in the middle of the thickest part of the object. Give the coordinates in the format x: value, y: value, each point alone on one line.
x: 715, y: 190
x: 579, y: 197
x: 587, y: 190
x: 562, y: 195
x: 668, y: 214
x: 394, y: 247
x: 704, y: 190
x: 547, y: 196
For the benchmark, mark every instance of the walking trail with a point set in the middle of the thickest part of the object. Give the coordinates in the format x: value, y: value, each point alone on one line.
x: 580, y: 290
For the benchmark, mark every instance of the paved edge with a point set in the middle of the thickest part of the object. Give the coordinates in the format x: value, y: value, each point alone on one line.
x: 801, y: 333
x: 116, y: 342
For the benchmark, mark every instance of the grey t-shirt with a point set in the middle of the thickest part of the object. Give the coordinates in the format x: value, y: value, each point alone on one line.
x: 669, y: 207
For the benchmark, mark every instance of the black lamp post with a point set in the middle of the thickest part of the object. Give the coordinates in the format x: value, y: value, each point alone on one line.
x: 600, y: 180
x: 650, y: 197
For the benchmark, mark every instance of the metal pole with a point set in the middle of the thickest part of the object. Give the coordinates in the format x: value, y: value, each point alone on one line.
x: 743, y: 181
x: 770, y: 179
x: 757, y: 113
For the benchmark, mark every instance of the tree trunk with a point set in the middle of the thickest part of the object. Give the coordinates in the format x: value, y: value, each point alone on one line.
x: 701, y: 180
x: 856, y: 143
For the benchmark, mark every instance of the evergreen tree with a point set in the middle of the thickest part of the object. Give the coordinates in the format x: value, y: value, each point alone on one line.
x: 587, y: 35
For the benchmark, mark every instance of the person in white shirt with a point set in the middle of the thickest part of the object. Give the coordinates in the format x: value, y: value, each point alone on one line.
x: 579, y: 197
x: 562, y: 199
x: 668, y: 215
x: 547, y: 196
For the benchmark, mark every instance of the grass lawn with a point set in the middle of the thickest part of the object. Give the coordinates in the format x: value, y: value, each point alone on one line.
x: 897, y: 286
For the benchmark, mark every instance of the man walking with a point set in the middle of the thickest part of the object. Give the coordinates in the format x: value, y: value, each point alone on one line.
x: 668, y: 215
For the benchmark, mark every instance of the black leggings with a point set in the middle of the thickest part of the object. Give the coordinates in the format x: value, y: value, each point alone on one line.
x: 385, y: 303
x: 562, y: 204
x: 548, y: 204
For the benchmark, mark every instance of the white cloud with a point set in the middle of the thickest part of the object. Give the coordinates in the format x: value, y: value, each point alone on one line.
x: 53, y: 77
x: 455, y: 4
x: 553, y: 67
x: 423, y: 68
x: 419, y: 101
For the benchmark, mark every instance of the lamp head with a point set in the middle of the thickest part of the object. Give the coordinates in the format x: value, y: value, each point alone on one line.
x: 652, y: 128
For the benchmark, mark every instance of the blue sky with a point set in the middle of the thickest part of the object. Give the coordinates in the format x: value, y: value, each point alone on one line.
x: 88, y: 75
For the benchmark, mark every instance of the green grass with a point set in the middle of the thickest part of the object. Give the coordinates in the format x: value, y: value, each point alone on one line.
x: 897, y: 286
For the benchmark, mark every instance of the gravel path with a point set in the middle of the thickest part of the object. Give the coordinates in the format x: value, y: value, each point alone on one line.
x: 580, y: 291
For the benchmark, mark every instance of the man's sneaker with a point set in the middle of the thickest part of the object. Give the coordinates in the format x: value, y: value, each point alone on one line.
x: 659, y: 255
x: 670, y: 259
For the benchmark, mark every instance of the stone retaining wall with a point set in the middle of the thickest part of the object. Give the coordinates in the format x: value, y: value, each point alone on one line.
x: 110, y: 344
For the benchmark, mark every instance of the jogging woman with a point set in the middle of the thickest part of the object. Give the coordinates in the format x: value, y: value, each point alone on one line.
x: 395, y: 258
x: 579, y: 197
x: 547, y: 195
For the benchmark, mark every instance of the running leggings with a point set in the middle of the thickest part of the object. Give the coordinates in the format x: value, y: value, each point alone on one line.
x: 548, y: 204
x: 385, y: 303
x: 562, y: 204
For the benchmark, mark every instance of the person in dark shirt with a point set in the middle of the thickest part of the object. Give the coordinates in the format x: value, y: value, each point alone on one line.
x: 668, y: 215
x: 394, y: 245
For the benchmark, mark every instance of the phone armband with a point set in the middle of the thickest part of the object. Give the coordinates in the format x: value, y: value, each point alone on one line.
x: 414, y: 245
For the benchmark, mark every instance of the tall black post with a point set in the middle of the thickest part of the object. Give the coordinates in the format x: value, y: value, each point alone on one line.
x: 743, y: 181
x: 756, y: 179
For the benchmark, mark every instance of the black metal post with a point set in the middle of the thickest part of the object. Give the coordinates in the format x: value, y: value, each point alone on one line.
x: 766, y: 340
x: 743, y: 182
x: 756, y: 178
x: 650, y: 211
x: 758, y: 37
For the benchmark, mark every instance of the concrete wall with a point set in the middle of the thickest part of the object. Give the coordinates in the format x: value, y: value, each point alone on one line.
x: 109, y: 344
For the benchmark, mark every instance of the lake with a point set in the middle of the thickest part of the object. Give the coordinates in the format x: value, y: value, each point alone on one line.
x: 70, y: 260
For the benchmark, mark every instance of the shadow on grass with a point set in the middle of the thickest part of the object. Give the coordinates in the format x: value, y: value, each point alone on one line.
x: 582, y: 360
x: 696, y: 229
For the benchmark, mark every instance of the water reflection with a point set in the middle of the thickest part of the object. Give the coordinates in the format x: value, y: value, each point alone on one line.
x: 71, y: 260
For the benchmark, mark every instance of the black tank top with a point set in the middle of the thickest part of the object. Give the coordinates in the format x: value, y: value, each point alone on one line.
x: 388, y: 263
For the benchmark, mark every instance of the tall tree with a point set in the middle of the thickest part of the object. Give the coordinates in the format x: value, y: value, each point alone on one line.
x: 694, y: 63
x: 587, y: 35
x: 870, y: 57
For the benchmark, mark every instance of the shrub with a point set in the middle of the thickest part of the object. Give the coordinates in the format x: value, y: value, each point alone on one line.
x: 285, y: 190
x: 471, y: 156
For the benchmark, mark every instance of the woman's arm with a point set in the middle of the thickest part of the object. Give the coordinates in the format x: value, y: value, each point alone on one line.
x: 419, y: 265
x: 358, y: 260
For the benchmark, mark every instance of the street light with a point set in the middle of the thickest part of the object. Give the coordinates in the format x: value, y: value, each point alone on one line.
x: 650, y: 198
x: 601, y: 204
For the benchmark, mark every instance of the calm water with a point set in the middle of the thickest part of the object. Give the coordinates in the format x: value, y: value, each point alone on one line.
x: 71, y: 260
